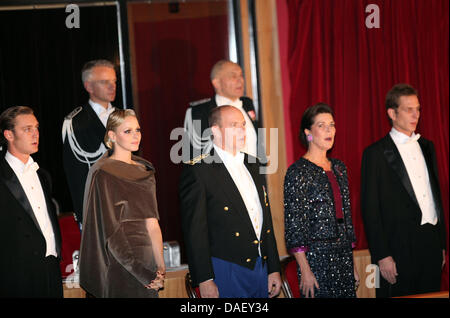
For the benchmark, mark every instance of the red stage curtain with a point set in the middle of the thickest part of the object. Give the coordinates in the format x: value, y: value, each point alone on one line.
x: 173, y: 61
x: 333, y: 57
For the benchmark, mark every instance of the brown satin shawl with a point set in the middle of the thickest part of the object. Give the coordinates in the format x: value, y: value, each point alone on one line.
x: 116, y: 256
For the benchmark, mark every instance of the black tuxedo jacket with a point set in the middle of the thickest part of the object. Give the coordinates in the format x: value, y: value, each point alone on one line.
x: 215, y: 220
x: 23, y: 244
x: 390, y: 210
x: 89, y: 132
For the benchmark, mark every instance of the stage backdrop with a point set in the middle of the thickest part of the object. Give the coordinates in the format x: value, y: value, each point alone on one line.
x: 330, y: 55
x: 40, y: 67
x: 174, y: 51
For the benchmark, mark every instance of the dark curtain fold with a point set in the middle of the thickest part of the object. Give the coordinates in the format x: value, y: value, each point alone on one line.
x: 335, y: 58
x: 40, y: 67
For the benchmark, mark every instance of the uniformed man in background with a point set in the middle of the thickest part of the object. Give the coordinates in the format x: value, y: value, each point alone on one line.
x: 85, y: 127
x: 228, y: 82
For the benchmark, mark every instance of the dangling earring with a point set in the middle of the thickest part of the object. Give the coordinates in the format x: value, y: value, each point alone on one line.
x: 309, y: 138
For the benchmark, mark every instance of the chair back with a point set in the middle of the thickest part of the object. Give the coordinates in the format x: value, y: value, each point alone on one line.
x: 191, y: 291
x: 289, y: 278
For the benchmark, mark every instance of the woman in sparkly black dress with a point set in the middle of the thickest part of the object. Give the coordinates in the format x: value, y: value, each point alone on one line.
x: 318, y: 223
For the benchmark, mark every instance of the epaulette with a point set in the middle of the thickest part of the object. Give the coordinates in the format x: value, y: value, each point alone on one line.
x: 74, y: 112
x: 197, y: 159
x: 198, y: 102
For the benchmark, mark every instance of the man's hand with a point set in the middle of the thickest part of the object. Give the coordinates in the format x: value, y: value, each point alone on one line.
x: 274, y: 284
x: 388, y: 269
x: 208, y: 289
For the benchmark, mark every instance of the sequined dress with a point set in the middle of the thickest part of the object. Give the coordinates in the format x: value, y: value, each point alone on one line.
x: 311, y: 226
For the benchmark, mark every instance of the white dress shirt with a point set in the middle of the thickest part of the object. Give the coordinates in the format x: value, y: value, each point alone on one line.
x: 29, y: 179
x: 251, y: 139
x: 416, y: 167
x: 101, y: 112
x: 246, y: 186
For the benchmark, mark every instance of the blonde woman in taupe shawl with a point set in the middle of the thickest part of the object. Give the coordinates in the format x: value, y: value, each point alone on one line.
x: 121, y: 252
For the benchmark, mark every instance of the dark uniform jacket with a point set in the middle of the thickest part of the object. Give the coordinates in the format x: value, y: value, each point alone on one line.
x: 215, y: 220
x: 89, y: 133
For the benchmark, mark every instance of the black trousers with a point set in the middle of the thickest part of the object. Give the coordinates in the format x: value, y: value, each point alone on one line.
x: 31, y: 278
x: 54, y: 279
x: 47, y: 283
x: 419, y: 268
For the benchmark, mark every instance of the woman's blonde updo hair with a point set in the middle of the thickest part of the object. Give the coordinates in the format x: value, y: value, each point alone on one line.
x: 115, y: 119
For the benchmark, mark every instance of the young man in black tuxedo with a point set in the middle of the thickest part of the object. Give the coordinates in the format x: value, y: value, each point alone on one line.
x: 401, y: 202
x: 29, y: 230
